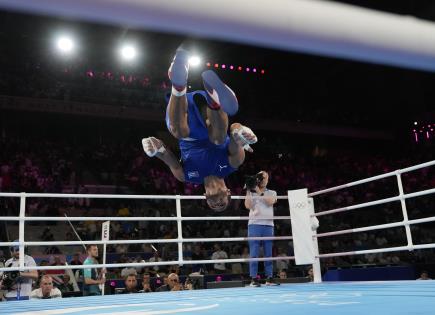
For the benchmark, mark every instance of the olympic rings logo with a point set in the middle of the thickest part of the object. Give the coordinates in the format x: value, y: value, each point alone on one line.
x: 299, y: 205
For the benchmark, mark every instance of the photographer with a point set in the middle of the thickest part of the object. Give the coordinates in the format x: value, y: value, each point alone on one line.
x: 260, y: 200
x: 18, y: 284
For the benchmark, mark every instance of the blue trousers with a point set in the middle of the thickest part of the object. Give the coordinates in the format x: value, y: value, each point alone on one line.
x: 255, y: 230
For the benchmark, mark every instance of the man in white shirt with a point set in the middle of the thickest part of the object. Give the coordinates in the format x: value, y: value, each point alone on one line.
x: 260, y: 201
x: 219, y: 254
x: 46, y: 290
x: 19, y: 285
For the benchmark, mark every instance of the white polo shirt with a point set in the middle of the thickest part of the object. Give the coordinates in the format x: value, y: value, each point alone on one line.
x: 23, y: 287
x: 261, y: 209
x: 54, y: 294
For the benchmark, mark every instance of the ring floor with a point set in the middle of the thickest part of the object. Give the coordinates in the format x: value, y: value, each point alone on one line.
x: 339, y: 298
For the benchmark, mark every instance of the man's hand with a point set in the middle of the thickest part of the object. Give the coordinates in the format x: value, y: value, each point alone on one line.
x: 153, y: 146
x: 243, y: 136
x: 177, y: 287
x: 147, y: 286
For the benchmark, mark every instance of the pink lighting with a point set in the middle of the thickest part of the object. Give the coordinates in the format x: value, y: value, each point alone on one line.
x: 231, y: 67
x: 224, y: 66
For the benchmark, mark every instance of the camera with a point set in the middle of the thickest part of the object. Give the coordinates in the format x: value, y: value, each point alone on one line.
x: 196, y: 281
x: 252, y: 181
x: 9, y: 279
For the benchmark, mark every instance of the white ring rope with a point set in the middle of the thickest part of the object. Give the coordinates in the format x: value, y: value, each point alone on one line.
x: 377, y: 202
x: 106, y: 196
x: 161, y: 241
x: 147, y: 264
x: 373, y: 178
x: 376, y: 227
x: 308, y: 26
x: 239, y: 218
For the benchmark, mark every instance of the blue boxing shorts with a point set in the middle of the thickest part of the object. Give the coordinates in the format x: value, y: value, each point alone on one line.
x: 200, y: 157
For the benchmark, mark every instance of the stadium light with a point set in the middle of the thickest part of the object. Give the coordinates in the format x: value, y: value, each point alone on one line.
x: 194, y: 61
x: 128, y: 52
x: 65, y: 44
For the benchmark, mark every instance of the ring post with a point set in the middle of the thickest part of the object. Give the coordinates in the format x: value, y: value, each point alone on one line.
x: 314, y: 225
x: 105, y: 235
x: 404, y: 211
x: 179, y: 230
x: 21, y: 227
x: 302, y: 233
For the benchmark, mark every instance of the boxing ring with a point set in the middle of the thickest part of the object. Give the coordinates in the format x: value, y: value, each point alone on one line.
x: 314, y: 27
x: 402, y: 297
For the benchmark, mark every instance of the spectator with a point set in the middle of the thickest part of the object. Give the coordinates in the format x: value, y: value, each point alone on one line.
x: 46, y: 290
x: 66, y: 286
x: 172, y: 285
x: 75, y: 260
x: 128, y: 270
x: 198, y: 254
x: 219, y: 254
x: 155, y: 258
x: 424, y: 275
x: 146, y: 283
x: 69, y: 237
x: 236, y: 268
x: 130, y: 284
x: 282, y: 274
x: 245, y: 254
x: 57, y: 262
x: 281, y: 264
x: 310, y: 274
